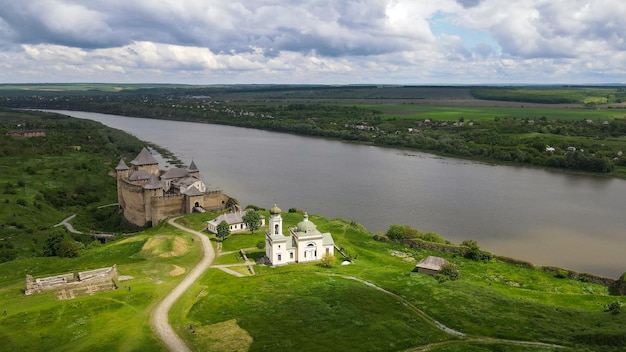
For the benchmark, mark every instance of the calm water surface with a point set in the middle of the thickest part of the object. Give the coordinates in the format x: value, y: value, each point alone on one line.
x: 549, y: 218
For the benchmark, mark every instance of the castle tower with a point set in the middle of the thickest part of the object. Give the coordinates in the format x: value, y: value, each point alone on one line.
x: 193, y: 170
x: 146, y: 162
x: 276, y: 221
x: 151, y: 189
x: 121, y: 172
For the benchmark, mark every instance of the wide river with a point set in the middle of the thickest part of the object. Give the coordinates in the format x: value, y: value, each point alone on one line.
x: 546, y: 217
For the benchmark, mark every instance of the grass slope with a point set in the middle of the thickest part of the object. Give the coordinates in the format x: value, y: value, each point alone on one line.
x: 375, y: 304
x: 307, y: 307
x: 113, y: 320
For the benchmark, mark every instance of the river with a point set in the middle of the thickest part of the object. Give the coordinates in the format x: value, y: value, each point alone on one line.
x: 546, y: 217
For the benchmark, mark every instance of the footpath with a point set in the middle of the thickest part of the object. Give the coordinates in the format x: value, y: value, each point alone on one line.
x: 158, y: 320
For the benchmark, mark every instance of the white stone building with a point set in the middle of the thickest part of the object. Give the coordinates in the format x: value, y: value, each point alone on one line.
x: 234, y: 220
x: 305, y: 243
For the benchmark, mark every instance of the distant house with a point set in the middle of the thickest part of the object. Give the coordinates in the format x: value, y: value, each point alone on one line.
x: 430, y: 265
x: 27, y: 133
x: 234, y: 220
x: 550, y: 149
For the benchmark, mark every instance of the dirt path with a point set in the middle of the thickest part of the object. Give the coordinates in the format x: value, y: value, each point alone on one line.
x: 158, y: 319
x: 67, y: 224
x: 463, y: 337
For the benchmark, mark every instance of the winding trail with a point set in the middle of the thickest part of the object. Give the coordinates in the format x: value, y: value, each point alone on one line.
x: 463, y: 338
x: 66, y: 223
x: 159, y: 320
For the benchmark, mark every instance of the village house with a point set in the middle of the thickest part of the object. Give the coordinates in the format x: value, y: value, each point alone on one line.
x: 305, y: 243
x: 233, y: 219
x: 430, y: 265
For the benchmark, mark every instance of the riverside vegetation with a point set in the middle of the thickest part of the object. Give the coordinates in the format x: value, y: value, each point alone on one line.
x: 47, y: 179
x: 584, y: 126
x: 494, y: 303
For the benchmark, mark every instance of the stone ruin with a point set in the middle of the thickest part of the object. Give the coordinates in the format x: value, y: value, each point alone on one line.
x: 68, y: 286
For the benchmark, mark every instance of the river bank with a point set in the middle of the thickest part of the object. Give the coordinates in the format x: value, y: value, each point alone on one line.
x: 549, y: 218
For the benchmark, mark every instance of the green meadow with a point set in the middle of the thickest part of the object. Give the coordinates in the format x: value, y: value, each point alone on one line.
x: 113, y: 320
x: 485, y: 113
x: 307, y: 307
x: 376, y: 303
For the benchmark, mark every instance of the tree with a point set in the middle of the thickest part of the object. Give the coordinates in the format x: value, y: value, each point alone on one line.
x: 252, y: 219
x: 68, y: 249
x: 51, y: 247
x: 223, y: 230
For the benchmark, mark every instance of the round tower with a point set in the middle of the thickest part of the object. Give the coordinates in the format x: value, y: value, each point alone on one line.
x: 121, y: 173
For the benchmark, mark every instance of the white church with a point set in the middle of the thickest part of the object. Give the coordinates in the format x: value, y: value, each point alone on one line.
x: 303, y: 244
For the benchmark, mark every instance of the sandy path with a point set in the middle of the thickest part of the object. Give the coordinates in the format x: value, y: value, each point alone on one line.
x: 158, y: 319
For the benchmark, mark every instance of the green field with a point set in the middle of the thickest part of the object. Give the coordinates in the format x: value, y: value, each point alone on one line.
x: 377, y: 303
x: 113, y: 320
x: 454, y: 113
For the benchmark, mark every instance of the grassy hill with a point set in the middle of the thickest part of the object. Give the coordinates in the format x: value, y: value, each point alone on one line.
x: 375, y: 304
x: 46, y: 179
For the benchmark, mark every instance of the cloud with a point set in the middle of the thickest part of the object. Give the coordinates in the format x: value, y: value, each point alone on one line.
x: 323, y: 41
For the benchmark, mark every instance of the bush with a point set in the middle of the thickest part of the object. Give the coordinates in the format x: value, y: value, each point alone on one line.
x: 614, y: 308
x: 21, y: 202
x: 473, y: 251
x: 561, y: 274
x: 327, y: 261
x: 260, y: 244
x: 450, y: 271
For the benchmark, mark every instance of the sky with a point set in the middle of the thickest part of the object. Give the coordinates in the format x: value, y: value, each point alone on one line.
x: 313, y: 41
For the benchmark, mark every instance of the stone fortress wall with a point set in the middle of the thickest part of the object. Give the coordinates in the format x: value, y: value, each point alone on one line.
x: 151, y: 200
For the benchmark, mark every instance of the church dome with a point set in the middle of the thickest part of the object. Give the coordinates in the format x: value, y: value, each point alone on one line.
x: 305, y: 225
x: 275, y: 210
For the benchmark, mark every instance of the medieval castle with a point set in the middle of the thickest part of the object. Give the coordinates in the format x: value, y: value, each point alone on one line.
x: 147, y: 194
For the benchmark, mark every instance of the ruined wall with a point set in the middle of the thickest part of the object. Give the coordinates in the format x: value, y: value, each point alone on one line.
x: 70, y: 281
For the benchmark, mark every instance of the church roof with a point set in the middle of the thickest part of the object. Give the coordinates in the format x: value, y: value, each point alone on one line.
x: 275, y: 210
x: 327, y: 239
x: 153, y: 183
x: 193, y: 167
x: 139, y: 175
x: 178, y: 172
x: 121, y: 166
x: 144, y: 158
x: 306, y: 226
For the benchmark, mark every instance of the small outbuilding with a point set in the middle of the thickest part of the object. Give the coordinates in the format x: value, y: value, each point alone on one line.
x: 430, y: 265
x: 234, y: 220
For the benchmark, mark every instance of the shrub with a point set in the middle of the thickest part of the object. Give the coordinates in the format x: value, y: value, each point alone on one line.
x: 614, y: 308
x: 450, y: 271
x: 21, y: 202
x: 402, y: 232
x: 561, y: 274
x: 473, y: 251
x: 327, y: 261
x: 260, y: 244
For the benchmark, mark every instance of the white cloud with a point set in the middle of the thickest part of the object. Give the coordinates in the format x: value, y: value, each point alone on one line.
x: 313, y: 41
